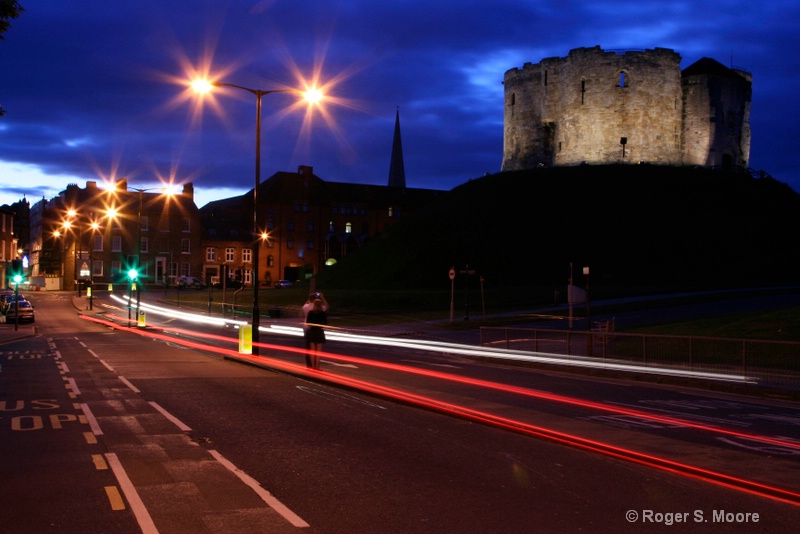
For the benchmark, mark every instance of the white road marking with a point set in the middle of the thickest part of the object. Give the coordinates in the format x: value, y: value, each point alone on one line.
x: 137, y: 506
x: 266, y: 496
x: 180, y: 424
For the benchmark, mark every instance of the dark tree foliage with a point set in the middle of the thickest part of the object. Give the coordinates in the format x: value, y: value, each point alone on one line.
x: 9, y: 9
x: 635, y: 225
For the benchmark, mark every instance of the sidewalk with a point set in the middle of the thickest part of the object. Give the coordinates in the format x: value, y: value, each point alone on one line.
x: 8, y: 333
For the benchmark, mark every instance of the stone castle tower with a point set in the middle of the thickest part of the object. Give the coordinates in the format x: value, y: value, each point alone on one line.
x: 601, y: 107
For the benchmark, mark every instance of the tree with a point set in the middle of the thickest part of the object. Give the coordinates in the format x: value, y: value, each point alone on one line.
x: 9, y: 9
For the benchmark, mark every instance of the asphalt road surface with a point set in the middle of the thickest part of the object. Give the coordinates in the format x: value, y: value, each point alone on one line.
x: 572, y: 455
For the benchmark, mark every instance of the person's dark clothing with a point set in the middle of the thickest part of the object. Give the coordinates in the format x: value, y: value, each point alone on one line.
x: 314, y: 332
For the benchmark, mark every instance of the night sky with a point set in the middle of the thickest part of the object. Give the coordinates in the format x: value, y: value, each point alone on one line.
x: 97, y: 90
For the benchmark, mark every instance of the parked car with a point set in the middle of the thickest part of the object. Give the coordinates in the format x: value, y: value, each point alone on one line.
x: 280, y: 284
x: 230, y: 283
x: 25, y: 312
x: 184, y: 282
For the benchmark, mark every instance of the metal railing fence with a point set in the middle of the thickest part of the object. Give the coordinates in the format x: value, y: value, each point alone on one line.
x: 774, y: 364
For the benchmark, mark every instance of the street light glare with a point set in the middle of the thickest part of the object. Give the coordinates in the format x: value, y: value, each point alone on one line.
x: 313, y: 95
x: 202, y: 86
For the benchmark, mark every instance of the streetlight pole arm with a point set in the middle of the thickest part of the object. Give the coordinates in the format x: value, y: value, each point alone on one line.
x: 258, y: 92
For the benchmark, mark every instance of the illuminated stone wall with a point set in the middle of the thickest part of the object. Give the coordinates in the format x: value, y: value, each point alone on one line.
x: 597, y: 106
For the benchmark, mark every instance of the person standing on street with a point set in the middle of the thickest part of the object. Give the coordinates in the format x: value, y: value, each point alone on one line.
x: 316, y: 319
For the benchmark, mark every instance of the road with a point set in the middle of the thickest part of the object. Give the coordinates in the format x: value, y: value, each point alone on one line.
x: 342, y: 460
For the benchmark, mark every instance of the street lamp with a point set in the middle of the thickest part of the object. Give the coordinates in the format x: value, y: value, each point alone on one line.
x: 68, y: 224
x: 73, y: 223
x: 90, y: 289
x: 312, y: 96
x: 112, y: 214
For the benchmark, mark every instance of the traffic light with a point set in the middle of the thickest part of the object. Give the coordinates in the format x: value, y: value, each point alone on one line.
x: 133, y: 274
x: 17, y: 273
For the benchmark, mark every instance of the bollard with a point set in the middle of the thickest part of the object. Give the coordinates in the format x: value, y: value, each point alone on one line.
x: 142, y: 320
x: 245, y: 339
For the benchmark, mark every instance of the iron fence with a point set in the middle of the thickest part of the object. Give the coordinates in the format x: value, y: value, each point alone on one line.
x: 774, y: 364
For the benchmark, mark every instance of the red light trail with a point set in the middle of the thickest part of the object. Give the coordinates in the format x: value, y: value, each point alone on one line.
x: 464, y: 412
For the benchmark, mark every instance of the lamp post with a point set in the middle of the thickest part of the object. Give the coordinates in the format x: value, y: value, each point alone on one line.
x: 204, y: 86
x: 588, y: 314
x: 138, y: 247
x: 76, y: 245
x: 73, y: 223
x: 90, y: 289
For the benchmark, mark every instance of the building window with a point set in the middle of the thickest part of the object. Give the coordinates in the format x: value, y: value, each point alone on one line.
x: 145, y: 223
x: 116, y: 243
x: 97, y: 268
x: 248, y: 276
x: 290, y: 225
x: 185, y: 268
x: 348, y: 228
x: 116, y: 268
x: 290, y: 243
x: 145, y: 245
x: 310, y: 244
x: 186, y: 225
x: 98, y: 243
x: 270, y: 224
x: 310, y: 226
x: 270, y: 261
x: 230, y: 254
x: 247, y: 255
x: 211, y: 254
x: 186, y: 247
x: 331, y: 227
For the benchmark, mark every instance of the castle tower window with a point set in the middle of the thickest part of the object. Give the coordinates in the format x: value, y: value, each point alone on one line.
x: 622, y: 79
x: 545, y: 77
x: 513, y: 99
x: 583, y: 89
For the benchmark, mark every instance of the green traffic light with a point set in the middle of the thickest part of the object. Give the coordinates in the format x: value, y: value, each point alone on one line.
x: 17, y: 278
x: 133, y: 274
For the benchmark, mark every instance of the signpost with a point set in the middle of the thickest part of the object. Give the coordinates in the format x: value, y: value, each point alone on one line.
x: 452, y: 275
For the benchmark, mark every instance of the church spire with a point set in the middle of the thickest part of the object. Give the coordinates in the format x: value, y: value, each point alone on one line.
x: 397, y: 171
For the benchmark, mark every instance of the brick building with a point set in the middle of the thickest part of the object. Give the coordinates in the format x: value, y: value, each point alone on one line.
x: 99, y: 234
x: 309, y: 224
x: 8, y: 244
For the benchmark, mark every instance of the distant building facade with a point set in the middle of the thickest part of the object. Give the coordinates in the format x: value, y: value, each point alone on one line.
x: 309, y: 224
x: 601, y: 107
x: 8, y: 244
x: 99, y: 234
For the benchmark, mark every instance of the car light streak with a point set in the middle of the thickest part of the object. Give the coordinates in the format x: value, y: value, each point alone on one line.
x: 453, y: 348
x: 698, y: 473
x: 486, y: 352
x: 173, y: 313
x: 469, y: 350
